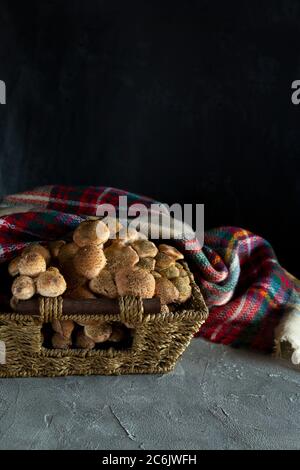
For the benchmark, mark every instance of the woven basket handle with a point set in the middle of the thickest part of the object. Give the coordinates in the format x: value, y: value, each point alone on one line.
x: 130, y: 309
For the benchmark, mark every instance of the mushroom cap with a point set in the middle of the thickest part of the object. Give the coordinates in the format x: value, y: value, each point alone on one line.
x: 171, y: 272
x: 60, y: 342
x: 170, y: 251
x: 67, y: 252
x: 119, y: 256
x: 182, y: 271
x: 128, y: 235
x: 79, y: 293
x: 37, y: 248
x: 55, y: 247
x: 146, y: 263
x: 155, y: 274
x: 184, y: 288
x: 104, y: 284
x: 114, y: 225
x: 91, y: 232
x: 166, y: 291
x: 63, y: 327
x: 98, y: 333
x: 51, y: 284
x: 53, y: 269
x: 89, y: 261
x: 13, y: 267
x: 32, y: 264
x: 136, y: 282
x: 163, y: 261
x: 23, y: 288
x: 83, y: 342
x: 72, y: 277
x: 145, y: 248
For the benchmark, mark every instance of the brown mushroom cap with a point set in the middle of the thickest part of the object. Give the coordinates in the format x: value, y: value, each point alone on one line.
x: 79, y: 293
x: 163, y: 261
x: 23, y: 288
x: 50, y: 284
x: 91, y: 232
x: 37, y: 248
x: 83, y: 342
x: 136, y: 282
x: 60, y: 342
x: 119, y: 256
x: 166, y: 291
x: 67, y: 252
x: 171, y: 272
x: 182, y: 271
x: 184, y: 288
x: 146, y: 263
x: 113, y: 224
x: 89, y: 261
x: 128, y: 235
x: 72, y: 277
x: 145, y: 248
x: 32, y: 264
x: 13, y: 267
x: 63, y: 327
x: 98, y: 333
x: 170, y: 251
x: 104, y: 284
x: 55, y: 247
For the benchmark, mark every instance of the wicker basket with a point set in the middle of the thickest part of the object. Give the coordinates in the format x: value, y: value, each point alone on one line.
x: 158, y: 341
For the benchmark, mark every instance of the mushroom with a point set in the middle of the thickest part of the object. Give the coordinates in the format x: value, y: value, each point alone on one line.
x: 118, y: 256
x: 41, y: 250
x: 184, y: 288
x: 113, y: 224
x: 23, y: 288
x: 182, y: 271
x: 170, y: 251
x: 104, y: 284
x: 72, y: 277
x: 146, y: 263
x: 166, y: 291
x: 79, y: 293
x: 155, y: 274
x: 136, y: 282
x: 55, y: 247
x: 13, y: 267
x: 91, y: 232
x: 14, y: 303
x: 89, y: 261
x: 63, y: 327
x: 32, y: 264
x: 67, y: 252
x: 98, y: 333
x: 60, y: 342
x: 171, y: 272
x: 163, y: 261
x: 83, y: 342
x: 145, y: 248
x: 51, y: 284
x: 129, y: 235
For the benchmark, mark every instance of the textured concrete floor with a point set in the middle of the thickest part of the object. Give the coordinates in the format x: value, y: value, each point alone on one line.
x: 217, y: 398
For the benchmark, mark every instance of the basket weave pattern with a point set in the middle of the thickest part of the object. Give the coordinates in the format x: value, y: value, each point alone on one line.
x: 159, y: 340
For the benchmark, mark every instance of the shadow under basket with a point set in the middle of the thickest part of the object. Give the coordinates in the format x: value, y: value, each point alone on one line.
x: 158, y: 340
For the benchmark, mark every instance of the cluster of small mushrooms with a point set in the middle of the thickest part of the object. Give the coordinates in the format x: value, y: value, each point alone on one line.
x: 99, y: 262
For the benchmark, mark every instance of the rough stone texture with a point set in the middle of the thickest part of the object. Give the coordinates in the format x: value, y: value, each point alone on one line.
x: 217, y: 398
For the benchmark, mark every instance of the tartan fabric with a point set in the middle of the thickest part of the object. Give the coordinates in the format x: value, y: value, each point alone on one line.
x: 245, y: 288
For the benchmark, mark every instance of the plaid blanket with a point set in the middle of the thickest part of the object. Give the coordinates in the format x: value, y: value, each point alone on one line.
x: 245, y: 288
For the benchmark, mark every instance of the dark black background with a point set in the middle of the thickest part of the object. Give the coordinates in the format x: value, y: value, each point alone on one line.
x: 184, y: 101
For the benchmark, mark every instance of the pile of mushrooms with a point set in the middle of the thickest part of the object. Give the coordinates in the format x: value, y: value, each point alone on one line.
x: 94, y: 265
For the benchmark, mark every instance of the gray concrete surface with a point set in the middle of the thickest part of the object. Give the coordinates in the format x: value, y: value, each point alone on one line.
x: 217, y: 398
